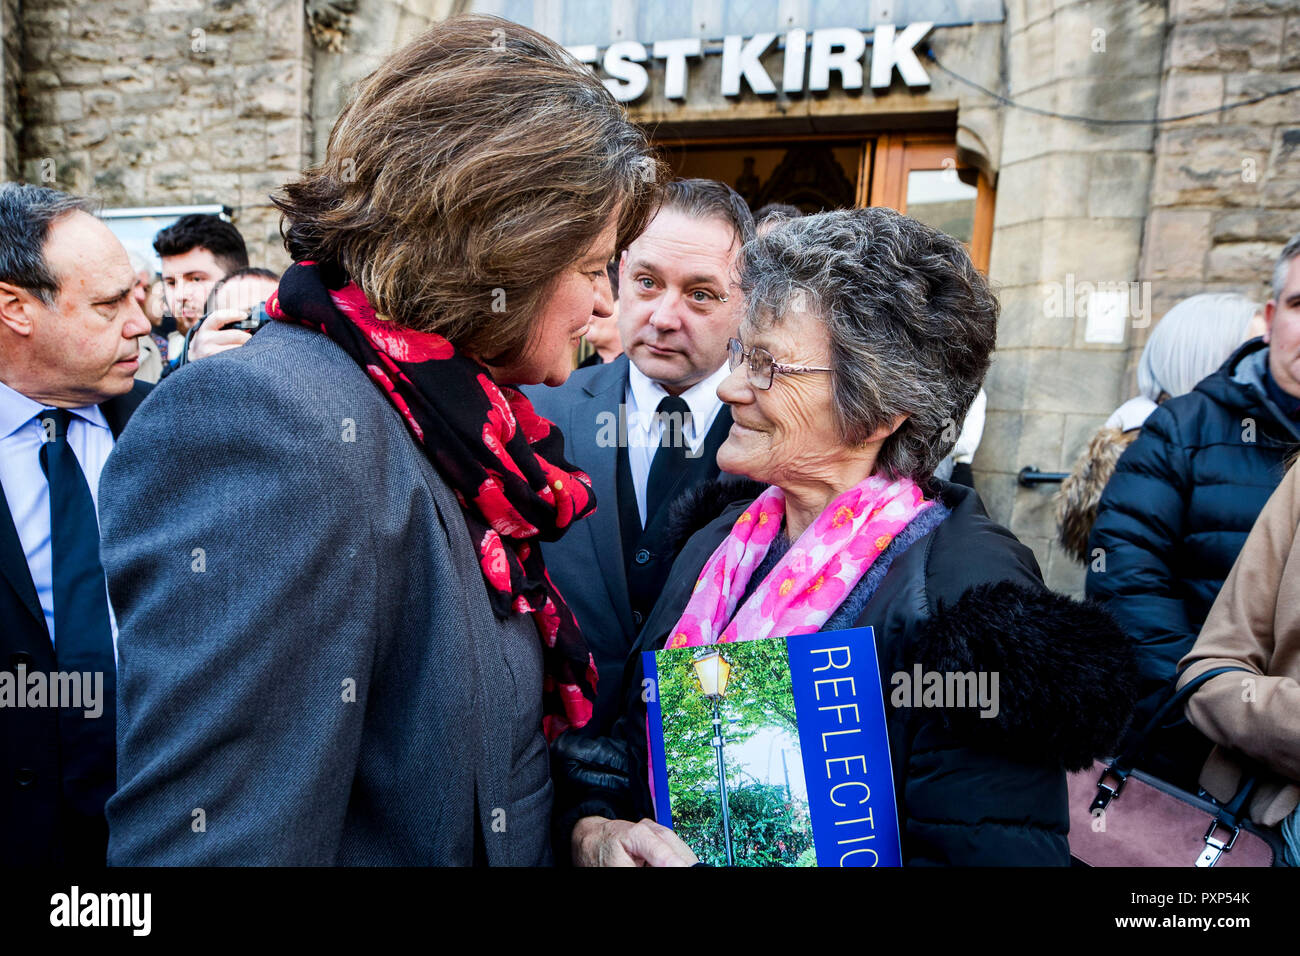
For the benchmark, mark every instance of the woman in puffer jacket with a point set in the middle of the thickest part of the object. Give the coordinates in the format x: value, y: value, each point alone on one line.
x: 1191, y: 341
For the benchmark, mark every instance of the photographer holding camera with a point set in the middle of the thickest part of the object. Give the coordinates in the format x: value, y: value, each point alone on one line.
x: 235, y: 309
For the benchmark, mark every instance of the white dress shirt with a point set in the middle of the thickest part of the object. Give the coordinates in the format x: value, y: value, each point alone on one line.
x: 27, y: 491
x: 645, y: 428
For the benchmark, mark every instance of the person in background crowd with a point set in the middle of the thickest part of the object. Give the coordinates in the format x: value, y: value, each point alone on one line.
x: 1194, y: 338
x: 772, y: 215
x: 648, y: 425
x: 842, y: 399
x: 70, y: 332
x: 1254, y: 712
x: 1183, y: 499
x: 359, y: 658
x: 602, y: 333
x: 152, y: 360
x: 196, y: 250
x: 233, y: 299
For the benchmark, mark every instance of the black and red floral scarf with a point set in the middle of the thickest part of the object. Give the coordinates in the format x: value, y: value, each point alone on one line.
x: 504, y: 462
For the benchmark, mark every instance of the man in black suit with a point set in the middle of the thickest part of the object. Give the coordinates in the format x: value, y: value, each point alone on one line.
x: 647, y: 426
x: 69, y: 350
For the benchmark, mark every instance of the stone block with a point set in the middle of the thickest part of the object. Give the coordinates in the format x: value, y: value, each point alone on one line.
x: 1005, y: 382
x: 1186, y: 10
x: 1290, y: 59
x: 1243, y: 225
x: 67, y: 106
x: 1026, y: 134
x: 1176, y: 243
x: 1119, y: 185
x: 1072, y: 381
x: 1281, y: 193
x: 1242, y: 260
x: 1047, y: 186
x: 1013, y: 259
x: 1101, y: 38
x: 88, y: 133
x: 1191, y: 93
x: 1226, y: 45
x: 1109, y: 98
x: 1019, y: 306
x: 1284, y: 108
x: 1091, y: 250
x: 1210, y: 165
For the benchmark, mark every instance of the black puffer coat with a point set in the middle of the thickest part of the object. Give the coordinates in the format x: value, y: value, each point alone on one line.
x: 1174, y: 517
x: 972, y: 791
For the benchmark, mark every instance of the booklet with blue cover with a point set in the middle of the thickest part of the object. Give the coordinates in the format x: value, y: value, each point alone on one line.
x: 774, y: 752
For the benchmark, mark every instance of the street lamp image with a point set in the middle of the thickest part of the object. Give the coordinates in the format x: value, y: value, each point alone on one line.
x: 712, y: 670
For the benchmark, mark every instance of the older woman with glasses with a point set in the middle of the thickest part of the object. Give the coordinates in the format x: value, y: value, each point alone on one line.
x: 866, y: 337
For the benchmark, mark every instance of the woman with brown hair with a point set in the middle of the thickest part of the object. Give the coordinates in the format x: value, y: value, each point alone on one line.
x: 367, y: 657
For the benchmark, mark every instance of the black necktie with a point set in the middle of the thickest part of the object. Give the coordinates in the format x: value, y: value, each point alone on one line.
x: 83, y: 637
x: 669, y: 462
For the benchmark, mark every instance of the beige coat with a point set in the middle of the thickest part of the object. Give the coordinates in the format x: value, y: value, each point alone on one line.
x: 1255, y: 625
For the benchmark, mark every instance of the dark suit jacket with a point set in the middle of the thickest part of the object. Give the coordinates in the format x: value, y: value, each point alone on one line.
x: 306, y: 649
x: 590, y: 565
x: 31, y: 829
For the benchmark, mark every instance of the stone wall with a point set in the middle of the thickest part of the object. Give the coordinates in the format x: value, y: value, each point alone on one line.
x: 1071, y: 202
x: 168, y: 102
x: 11, y: 120
x: 1226, y: 192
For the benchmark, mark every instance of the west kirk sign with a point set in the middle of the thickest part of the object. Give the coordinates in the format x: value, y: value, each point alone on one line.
x: 838, y: 50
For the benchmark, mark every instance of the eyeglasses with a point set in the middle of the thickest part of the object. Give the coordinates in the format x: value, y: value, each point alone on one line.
x: 762, y: 367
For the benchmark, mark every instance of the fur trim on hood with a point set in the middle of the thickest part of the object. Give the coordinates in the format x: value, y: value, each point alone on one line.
x: 1076, y: 502
x: 701, y: 504
x: 1067, y: 675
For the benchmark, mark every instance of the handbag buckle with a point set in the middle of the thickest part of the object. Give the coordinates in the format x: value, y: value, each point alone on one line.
x: 1214, y: 847
x: 1105, y: 792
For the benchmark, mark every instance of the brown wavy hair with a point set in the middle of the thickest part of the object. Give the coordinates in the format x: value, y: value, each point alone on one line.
x: 464, y: 175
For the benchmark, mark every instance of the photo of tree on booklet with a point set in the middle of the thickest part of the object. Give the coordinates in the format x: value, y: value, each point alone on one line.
x: 774, y: 752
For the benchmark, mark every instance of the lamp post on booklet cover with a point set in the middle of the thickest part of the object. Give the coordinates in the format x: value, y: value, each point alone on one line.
x: 712, y: 671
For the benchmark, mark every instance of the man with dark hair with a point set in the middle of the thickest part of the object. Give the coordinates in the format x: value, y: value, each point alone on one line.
x: 232, y: 299
x: 196, y: 250
x: 647, y: 426
x: 70, y: 333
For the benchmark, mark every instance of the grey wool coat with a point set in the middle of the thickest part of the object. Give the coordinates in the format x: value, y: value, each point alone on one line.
x: 309, y: 669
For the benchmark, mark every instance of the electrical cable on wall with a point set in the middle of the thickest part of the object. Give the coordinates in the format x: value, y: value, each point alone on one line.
x: 1096, y: 121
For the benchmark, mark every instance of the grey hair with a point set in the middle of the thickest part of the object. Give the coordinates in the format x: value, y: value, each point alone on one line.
x: 1289, y: 252
x: 1194, y: 338
x: 912, y: 324
x: 26, y: 214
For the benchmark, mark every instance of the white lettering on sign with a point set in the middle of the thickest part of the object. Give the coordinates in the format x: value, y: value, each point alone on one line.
x: 834, y: 50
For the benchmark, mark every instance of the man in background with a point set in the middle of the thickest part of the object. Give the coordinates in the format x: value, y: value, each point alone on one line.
x: 196, y: 251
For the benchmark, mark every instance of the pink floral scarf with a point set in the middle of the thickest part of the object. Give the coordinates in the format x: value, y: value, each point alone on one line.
x: 811, y: 580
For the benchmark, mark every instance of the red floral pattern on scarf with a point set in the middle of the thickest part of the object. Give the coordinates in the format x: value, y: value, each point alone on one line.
x: 503, y: 460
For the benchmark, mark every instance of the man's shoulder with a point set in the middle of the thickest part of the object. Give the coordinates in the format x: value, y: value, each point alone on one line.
x: 582, y: 383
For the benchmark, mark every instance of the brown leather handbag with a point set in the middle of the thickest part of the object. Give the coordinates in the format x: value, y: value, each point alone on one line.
x: 1120, y: 816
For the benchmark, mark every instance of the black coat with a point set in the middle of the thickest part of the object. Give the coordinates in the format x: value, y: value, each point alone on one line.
x: 37, y: 826
x: 971, y: 790
x: 1173, y: 518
